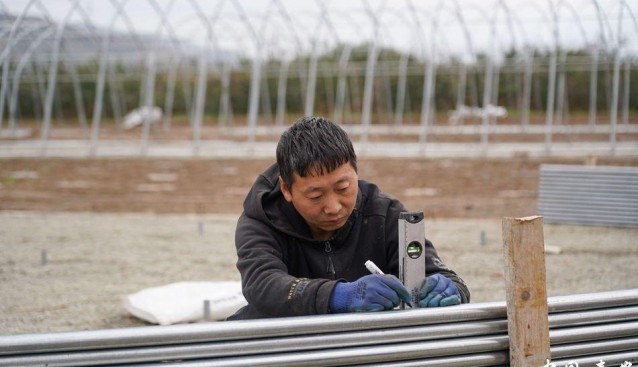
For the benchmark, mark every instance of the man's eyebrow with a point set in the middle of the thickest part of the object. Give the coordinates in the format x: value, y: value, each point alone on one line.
x: 311, y: 189
x: 315, y: 188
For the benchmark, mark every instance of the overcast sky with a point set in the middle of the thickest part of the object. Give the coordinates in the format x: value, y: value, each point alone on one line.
x: 419, y: 26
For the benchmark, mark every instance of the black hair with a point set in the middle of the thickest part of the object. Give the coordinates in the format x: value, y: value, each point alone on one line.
x: 313, y: 144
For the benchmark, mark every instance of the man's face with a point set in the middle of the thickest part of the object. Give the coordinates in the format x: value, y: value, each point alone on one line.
x: 324, y: 201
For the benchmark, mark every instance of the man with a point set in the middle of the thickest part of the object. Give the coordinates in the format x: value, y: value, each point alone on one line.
x: 308, y: 227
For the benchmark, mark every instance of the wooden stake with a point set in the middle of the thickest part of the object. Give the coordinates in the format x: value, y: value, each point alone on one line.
x: 526, y: 293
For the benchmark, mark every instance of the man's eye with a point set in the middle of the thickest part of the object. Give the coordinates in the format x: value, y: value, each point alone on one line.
x: 315, y: 198
x: 343, y: 189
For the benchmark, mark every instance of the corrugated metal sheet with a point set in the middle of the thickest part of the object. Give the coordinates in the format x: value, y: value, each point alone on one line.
x: 595, y: 195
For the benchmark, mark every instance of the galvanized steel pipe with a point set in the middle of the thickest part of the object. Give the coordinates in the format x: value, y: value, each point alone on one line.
x: 260, y: 346
x: 350, y: 343
x: 245, y: 330
x: 317, y: 341
x: 592, y: 348
x: 347, y: 356
x: 249, y: 329
x: 597, y: 332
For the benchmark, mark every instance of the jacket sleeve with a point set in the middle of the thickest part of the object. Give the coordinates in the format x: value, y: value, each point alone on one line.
x: 266, y: 284
x: 433, y: 263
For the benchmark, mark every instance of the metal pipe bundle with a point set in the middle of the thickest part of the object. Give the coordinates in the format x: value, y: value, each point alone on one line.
x: 602, y: 326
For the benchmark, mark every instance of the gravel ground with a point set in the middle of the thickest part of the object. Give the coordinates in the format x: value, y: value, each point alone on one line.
x: 94, y: 259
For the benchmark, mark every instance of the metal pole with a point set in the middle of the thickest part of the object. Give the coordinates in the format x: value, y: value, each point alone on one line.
x: 594, y: 348
x: 99, y: 86
x: 551, y: 88
x: 405, y: 350
x: 430, y: 76
x: 309, y: 105
x: 17, y: 75
x: 495, y: 89
x: 401, y: 86
x: 39, y: 90
x: 385, y: 109
x: 149, y: 85
x: 202, y: 73
x: 458, y: 10
x: 224, y: 108
x: 170, y: 91
x: 368, y: 87
x: 487, y: 93
x: 170, y: 86
x: 488, y: 86
x: 282, y: 85
x: 253, y: 108
x: 590, y: 301
x: 613, y: 118
x: 77, y: 94
x: 200, y: 94
x: 527, y: 87
x: 115, y: 101
x: 52, y: 82
x: 600, y: 324
x: 242, y: 330
x: 625, y: 105
x: 149, y: 96
x: 593, y: 86
x: 265, y: 100
x: 595, y: 332
x: 192, y: 333
x: 613, y: 115
x: 560, y: 97
x: 426, y: 102
x: 244, y: 348
x: 460, y: 91
x: 282, y: 88
x: 341, y: 83
x: 551, y: 82
x: 118, y: 102
x: 593, y: 316
x: 625, y: 117
x: 185, y: 70
x: 6, y: 54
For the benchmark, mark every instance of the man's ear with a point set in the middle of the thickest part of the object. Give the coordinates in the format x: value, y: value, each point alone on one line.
x: 284, y: 190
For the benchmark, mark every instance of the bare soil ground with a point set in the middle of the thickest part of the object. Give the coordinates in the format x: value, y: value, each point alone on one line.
x: 442, y: 188
x: 111, y: 227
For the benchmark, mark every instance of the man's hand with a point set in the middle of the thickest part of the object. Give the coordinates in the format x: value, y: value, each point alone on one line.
x: 370, y: 293
x: 437, y: 290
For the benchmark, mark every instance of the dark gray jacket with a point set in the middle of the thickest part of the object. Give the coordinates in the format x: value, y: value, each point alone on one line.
x: 285, y: 272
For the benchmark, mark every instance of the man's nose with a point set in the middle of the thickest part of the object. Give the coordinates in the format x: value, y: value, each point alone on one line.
x: 333, y: 205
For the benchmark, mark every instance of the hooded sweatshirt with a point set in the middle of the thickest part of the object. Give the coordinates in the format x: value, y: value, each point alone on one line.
x: 285, y: 272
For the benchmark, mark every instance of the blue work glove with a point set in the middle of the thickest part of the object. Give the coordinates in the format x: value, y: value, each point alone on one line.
x: 438, y: 290
x: 372, y: 292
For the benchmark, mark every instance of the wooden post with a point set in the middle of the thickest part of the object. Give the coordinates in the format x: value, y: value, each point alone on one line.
x: 526, y: 293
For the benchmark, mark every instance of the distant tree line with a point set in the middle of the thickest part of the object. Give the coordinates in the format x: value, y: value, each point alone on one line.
x: 124, y: 87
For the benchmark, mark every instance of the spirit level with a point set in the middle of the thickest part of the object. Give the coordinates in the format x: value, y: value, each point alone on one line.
x: 411, y: 249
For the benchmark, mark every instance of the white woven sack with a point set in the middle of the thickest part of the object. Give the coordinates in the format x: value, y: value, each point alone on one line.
x: 183, y: 302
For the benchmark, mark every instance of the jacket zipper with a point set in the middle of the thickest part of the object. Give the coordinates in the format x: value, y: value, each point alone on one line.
x: 330, y: 267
